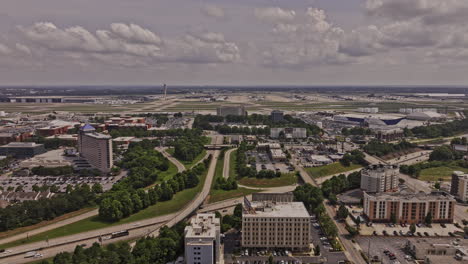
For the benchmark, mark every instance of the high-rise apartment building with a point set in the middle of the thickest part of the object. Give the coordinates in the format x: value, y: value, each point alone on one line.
x: 96, y: 148
x: 379, y: 178
x: 459, y: 186
x: 268, y: 224
x: 202, y: 240
x: 408, y: 207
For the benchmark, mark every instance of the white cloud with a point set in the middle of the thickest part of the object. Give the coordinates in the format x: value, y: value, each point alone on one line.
x: 213, y: 11
x: 130, y: 45
x: 135, y: 33
x: 23, y: 48
x: 274, y: 14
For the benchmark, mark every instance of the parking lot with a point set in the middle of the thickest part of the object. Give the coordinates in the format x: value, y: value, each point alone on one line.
x: 326, y: 254
x: 377, y: 245
x: 60, y: 182
x: 263, y: 162
x: 436, y: 230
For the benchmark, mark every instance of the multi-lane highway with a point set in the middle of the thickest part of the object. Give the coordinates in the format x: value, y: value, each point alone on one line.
x: 145, y: 227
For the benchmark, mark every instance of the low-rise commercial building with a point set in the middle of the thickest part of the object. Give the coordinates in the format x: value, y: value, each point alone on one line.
x: 379, y: 178
x: 459, y: 186
x: 269, y: 224
x: 22, y: 150
x: 288, y: 132
x: 202, y: 240
x: 444, y: 251
x: 234, y: 110
x: 408, y: 207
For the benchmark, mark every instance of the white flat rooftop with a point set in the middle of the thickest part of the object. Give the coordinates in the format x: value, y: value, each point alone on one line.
x: 290, y: 210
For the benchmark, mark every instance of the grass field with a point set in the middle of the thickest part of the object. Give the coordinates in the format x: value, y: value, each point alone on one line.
x: 436, y: 173
x: 327, y: 170
x: 221, y: 195
x: 161, y: 208
x: 233, y: 164
x: 189, y: 164
x: 285, y: 180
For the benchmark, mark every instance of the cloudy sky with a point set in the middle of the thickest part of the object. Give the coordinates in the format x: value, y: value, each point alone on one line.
x: 234, y: 42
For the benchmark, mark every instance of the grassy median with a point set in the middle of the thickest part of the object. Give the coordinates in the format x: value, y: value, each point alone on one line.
x: 331, y: 169
x: 179, y: 200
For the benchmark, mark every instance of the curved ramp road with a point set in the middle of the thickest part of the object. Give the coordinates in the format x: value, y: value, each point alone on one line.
x: 142, y: 228
x: 179, y: 165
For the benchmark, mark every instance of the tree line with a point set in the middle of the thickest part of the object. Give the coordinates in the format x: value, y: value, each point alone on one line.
x: 442, y: 130
x: 204, y: 122
x: 189, y: 146
x: 143, y: 163
x: 159, y: 250
x: 32, y: 212
x: 356, y: 157
x: 119, y: 204
x: 380, y: 149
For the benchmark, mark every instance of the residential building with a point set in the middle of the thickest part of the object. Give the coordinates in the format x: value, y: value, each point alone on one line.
x: 379, y: 178
x: 288, y: 132
x: 234, y: 110
x: 14, y: 135
x: 277, y: 116
x: 202, y: 240
x: 22, y: 150
x: 459, y: 186
x: 96, y: 148
x: 52, y: 130
x: 391, y: 134
x: 13, y: 197
x: 407, y: 207
x: 269, y: 224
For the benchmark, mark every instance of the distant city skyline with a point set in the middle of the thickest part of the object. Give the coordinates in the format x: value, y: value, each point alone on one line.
x: 236, y: 43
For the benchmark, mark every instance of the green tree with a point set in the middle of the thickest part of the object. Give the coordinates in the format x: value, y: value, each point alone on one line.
x: 412, y: 228
x: 428, y: 219
x: 317, y: 250
x: 442, y: 153
x: 270, y: 260
x: 342, y: 212
x: 437, y: 185
x: 393, y: 218
x: 97, y: 188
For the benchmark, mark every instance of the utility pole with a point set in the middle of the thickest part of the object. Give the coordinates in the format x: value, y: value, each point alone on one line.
x: 165, y: 92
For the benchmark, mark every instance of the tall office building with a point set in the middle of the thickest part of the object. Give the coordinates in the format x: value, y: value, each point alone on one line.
x: 234, y: 110
x: 96, y: 148
x: 409, y: 207
x: 269, y: 224
x: 202, y: 240
x: 379, y: 178
x: 277, y: 116
x: 459, y: 186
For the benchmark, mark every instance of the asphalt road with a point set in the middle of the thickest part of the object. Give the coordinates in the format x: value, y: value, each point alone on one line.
x: 179, y: 165
x: 145, y: 227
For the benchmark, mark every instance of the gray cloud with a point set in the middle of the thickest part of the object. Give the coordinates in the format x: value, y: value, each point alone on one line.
x: 213, y: 11
x: 274, y: 14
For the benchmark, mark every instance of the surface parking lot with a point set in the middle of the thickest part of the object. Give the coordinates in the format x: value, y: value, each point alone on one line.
x: 436, y: 230
x: 263, y: 162
x: 377, y: 245
x: 60, y: 182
